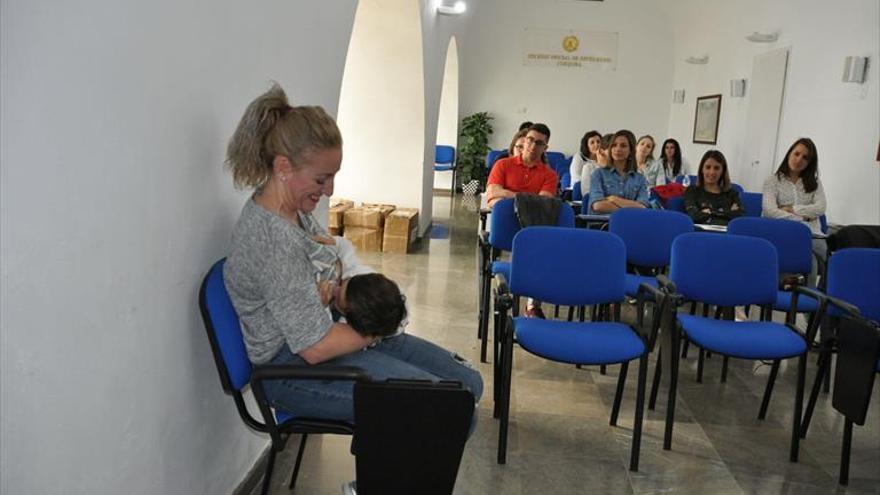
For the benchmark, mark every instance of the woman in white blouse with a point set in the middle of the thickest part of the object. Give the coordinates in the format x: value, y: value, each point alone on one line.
x: 586, y: 155
x: 795, y: 192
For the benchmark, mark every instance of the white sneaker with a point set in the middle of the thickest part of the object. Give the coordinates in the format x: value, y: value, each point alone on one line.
x: 349, y: 488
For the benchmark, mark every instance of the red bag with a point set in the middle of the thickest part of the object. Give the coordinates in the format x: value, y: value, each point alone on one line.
x: 668, y: 191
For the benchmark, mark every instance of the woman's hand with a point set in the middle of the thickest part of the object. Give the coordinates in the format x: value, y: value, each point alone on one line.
x: 789, y: 209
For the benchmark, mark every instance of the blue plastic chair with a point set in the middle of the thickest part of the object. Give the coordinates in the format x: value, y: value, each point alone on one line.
x: 576, y: 193
x: 675, y: 204
x: 492, y: 157
x: 728, y: 271
x: 648, y: 236
x: 736, y: 187
x: 504, y: 225
x: 854, y: 279
x: 752, y: 203
x: 538, y: 254
x: 444, y: 161
x: 224, y: 333
x: 557, y: 162
x: 793, y: 242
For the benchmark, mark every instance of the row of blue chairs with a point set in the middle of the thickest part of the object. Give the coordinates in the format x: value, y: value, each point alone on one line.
x: 721, y: 270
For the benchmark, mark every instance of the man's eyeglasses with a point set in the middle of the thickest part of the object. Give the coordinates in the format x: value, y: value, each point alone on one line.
x: 536, y: 142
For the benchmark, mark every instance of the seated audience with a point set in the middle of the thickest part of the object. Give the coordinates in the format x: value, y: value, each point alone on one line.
x: 602, y: 160
x: 711, y: 200
x: 525, y: 173
x: 795, y: 192
x: 585, y: 155
x: 523, y: 128
x: 644, y: 154
x: 619, y: 185
x: 668, y: 166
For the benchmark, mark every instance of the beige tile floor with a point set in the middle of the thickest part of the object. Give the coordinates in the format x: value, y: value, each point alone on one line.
x: 560, y: 441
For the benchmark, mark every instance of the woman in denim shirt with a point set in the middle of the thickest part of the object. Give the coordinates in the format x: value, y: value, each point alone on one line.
x: 619, y: 185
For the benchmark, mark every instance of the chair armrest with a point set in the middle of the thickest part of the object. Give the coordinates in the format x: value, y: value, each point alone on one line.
x: 298, y: 372
x: 483, y: 238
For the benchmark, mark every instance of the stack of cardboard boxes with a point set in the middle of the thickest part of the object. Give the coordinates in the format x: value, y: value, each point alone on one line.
x: 374, y: 226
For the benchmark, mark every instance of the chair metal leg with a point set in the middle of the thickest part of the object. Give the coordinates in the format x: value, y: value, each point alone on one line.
x: 299, y: 455
x: 845, y: 451
x: 724, y: 369
x: 484, y: 320
x: 639, y: 413
x: 798, y: 408
x: 602, y: 369
x: 506, y: 379
x: 824, y: 362
x: 618, y: 395
x: 768, y: 391
x: 700, y: 360
x: 270, y: 465
x: 571, y: 313
x: 670, y: 399
x: 556, y: 311
x: 684, y: 347
x: 655, y: 383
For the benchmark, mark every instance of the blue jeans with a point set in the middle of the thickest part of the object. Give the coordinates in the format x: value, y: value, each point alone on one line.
x: 403, y: 356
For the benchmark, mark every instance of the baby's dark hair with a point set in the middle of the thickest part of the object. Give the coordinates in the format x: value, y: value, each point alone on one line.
x: 374, y: 306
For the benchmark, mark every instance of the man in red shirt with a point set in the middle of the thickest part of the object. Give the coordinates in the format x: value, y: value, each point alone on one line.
x: 525, y: 173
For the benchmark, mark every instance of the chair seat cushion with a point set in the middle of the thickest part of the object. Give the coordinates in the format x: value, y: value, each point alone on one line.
x: 501, y: 268
x: 578, y: 343
x: 746, y: 339
x: 282, y: 416
x: 633, y: 282
x: 806, y: 304
x: 443, y: 168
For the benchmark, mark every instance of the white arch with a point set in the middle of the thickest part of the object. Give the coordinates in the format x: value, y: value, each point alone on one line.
x: 382, y: 106
x: 447, y: 118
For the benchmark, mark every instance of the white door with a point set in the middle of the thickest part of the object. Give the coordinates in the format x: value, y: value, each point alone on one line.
x: 765, y: 109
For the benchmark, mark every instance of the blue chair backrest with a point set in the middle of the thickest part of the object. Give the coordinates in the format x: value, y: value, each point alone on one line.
x: 648, y: 234
x: 751, y: 203
x: 854, y: 276
x: 444, y: 154
x: 492, y: 157
x: 728, y: 270
x: 692, y: 178
x: 793, y: 240
x: 557, y: 162
x: 505, y: 224
x: 823, y: 223
x: 736, y: 187
x: 224, y: 331
x: 565, y: 180
x: 675, y: 204
x: 576, y: 193
x: 543, y: 255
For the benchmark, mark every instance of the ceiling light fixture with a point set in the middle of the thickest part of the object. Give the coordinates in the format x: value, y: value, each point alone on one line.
x: 457, y: 9
x: 698, y: 60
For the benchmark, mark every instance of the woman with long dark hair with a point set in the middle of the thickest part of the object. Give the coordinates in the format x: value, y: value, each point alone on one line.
x: 795, y: 193
x: 711, y: 200
x: 586, y: 155
x: 668, y: 166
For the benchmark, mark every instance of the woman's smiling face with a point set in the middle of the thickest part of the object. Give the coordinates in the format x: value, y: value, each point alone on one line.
x: 312, y: 177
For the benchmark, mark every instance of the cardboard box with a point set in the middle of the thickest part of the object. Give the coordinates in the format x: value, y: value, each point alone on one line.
x: 401, y: 230
x: 334, y: 230
x: 338, y: 206
x: 364, y: 239
x: 383, y: 208
x: 364, y: 217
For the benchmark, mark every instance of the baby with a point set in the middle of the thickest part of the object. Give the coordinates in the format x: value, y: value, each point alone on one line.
x: 368, y: 301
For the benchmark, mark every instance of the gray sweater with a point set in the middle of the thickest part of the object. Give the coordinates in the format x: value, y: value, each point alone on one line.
x: 271, y: 282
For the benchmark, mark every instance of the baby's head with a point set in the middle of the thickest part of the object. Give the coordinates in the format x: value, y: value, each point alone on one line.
x: 372, y: 304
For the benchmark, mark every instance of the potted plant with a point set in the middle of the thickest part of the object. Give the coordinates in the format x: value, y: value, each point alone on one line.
x: 473, y: 144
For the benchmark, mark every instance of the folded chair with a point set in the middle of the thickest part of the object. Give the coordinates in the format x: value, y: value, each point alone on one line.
x: 236, y: 373
x: 541, y: 255
x: 728, y: 271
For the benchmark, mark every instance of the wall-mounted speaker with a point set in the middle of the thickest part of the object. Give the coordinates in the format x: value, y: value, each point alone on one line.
x: 854, y: 69
x: 737, y: 88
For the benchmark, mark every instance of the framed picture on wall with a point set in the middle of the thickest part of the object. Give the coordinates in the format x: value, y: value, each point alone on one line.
x: 706, y: 119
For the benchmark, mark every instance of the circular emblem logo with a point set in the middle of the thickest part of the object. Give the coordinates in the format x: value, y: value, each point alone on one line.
x: 570, y: 43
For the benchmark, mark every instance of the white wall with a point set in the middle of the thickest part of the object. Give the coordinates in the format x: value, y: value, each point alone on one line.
x: 842, y: 118
x: 571, y: 101
x: 115, y: 117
